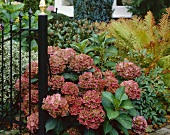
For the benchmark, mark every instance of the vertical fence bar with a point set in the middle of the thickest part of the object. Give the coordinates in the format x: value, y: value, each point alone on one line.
x: 29, y: 34
x: 20, y: 72
x: 42, y: 65
x: 2, y: 72
x: 11, y: 85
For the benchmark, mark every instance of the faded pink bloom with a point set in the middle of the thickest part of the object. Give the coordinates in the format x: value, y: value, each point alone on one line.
x: 128, y: 70
x: 57, y: 64
x: 139, y: 125
x: 70, y: 99
x: 81, y: 62
x: 70, y: 89
x: 34, y: 69
x: 76, y: 107
x: 92, y: 99
x: 56, y: 82
x: 73, y: 131
x: 55, y: 105
x: 50, y: 8
x: 52, y: 50
x: 131, y: 89
x: 91, y: 118
x: 111, y: 83
x: 32, y: 122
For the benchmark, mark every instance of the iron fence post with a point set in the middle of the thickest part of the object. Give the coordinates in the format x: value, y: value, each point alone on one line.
x: 42, y: 69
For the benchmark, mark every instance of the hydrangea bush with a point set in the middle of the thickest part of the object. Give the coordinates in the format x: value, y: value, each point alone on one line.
x: 81, y: 96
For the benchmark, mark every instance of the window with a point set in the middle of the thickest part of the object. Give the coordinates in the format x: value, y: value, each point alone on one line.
x: 66, y: 7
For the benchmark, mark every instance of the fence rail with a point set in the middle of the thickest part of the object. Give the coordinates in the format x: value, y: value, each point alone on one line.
x: 11, y: 113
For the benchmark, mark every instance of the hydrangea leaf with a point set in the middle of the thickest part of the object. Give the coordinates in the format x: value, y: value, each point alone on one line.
x: 112, y: 114
x: 89, y: 132
x: 125, y: 120
x: 113, y: 132
x: 107, y: 127
x: 125, y: 131
x: 108, y: 95
x: 50, y: 124
x: 120, y: 94
x: 127, y: 104
x: 71, y: 76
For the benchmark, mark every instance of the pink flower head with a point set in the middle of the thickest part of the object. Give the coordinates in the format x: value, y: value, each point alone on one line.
x: 81, y: 62
x: 50, y: 8
x: 57, y: 64
x: 55, y: 105
x: 32, y: 122
x: 128, y: 70
x: 76, y: 107
x: 131, y: 89
x: 56, y: 82
x: 66, y: 54
x: 92, y: 99
x: 111, y: 83
x: 52, y: 50
x: 70, y: 88
x: 73, y: 131
x: 139, y: 125
x: 34, y: 69
x: 91, y: 118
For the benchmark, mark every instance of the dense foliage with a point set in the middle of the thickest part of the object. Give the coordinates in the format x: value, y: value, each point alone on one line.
x: 93, y: 10
x: 141, y: 7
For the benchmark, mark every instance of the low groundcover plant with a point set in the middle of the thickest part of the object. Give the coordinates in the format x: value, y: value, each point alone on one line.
x: 82, y: 99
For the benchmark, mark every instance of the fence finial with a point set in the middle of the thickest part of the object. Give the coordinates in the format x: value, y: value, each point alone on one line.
x: 42, y: 7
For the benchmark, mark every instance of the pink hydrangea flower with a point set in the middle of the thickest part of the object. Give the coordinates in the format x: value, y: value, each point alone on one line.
x: 70, y: 88
x: 34, y: 69
x: 57, y: 64
x: 56, y: 82
x: 76, y: 107
x: 111, y: 83
x: 81, y: 62
x: 32, y: 122
x: 71, y: 99
x: 73, y: 131
x: 128, y: 70
x: 91, y: 118
x: 55, y: 105
x: 50, y: 8
x: 139, y: 125
x: 131, y: 89
x: 52, y: 50
x: 92, y: 99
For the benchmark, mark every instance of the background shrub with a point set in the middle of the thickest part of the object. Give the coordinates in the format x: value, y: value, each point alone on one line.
x: 93, y: 10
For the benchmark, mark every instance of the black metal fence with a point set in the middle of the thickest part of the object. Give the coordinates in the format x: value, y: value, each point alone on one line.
x: 11, y: 100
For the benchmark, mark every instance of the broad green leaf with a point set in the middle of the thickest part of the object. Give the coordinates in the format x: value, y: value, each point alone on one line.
x: 120, y: 94
x: 125, y: 131
x: 34, y: 80
x: 107, y: 104
x: 111, y: 51
x: 107, y: 127
x: 91, y: 48
x: 59, y: 127
x: 96, y: 60
x: 110, y: 64
x: 89, y: 132
x: 110, y: 40
x: 65, y: 133
x: 127, y: 104
x: 108, y: 95
x: 125, y: 120
x: 112, y: 114
x: 132, y: 112
x: 113, y: 132
x: 50, y: 124
x: 71, y: 76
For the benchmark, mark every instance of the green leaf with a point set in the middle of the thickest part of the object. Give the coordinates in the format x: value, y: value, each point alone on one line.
x: 91, y: 48
x: 34, y: 80
x: 59, y: 127
x: 120, y: 94
x: 107, y: 104
x: 50, y: 124
x: 108, y: 95
x: 111, y: 51
x: 110, y: 40
x: 107, y: 127
x: 125, y: 120
x: 89, y: 132
x: 113, y: 132
x: 127, y: 104
x: 65, y: 133
x: 96, y: 60
x: 110, y: 64
x: 71, y: 76
x: 132, y: 112
x: 125, y: 131
x: 112, y: 114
